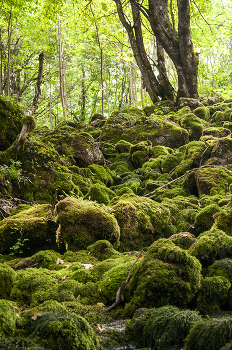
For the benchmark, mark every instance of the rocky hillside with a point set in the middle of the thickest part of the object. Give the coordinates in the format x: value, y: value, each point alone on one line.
x: 141, y: 201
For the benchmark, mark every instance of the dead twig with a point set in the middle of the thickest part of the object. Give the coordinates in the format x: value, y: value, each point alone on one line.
x: 123, y: 285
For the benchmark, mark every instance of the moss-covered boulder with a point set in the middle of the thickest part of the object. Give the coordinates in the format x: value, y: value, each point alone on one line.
x: 209, y: 334
x: 11, y: 115
x: 183, y: 240
x: 82, y: 223
x: 205, y: 218
x: 193, y: 124
x: 140, y: 153
x: 141, y: 221
x: 62, y: 330
x: 207, y: 181
x: 29, y: 230
x: 19, y: 343
x: 69, y: 142
x: 8, y: 318
x: 221, y: 267
x: 103, y: 250
x: 162, y: 328
x: 202, y: 113
x: 168, y: 275
x: 216, y: 132
x: 211, y: 245
x: 100, y: 193
x: 213, y: 294
x: 7, y: 278
x: 159, y: 132
x: 222, y: 152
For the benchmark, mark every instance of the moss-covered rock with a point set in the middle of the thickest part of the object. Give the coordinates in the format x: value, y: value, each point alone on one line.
x: 19, y: 343
x: 193, y: 124
x: 29, y: 230
x: 11, y: 115
x: 222, y: 151
x: 211, y: 245
x: 69, y: 142
x: 213, y: 294
x: 207, y: 181
x: 103, y: 174
x: 202, y: 113
x: 103, y: 250
x: 205, y: 218
x: 218, y: 116
x: 168, y: 275
x: 209, y: 334
x: 7, y: 278
x: 62, y: 330
x: 162, y: 328
x: 216, y: 132
x: 100, y: 194
x: 81, y: 223
x: 123, y: 146
x: 141, y: 220
x: 8, y: 318
x: 183, y: 240
x: 221, y: 267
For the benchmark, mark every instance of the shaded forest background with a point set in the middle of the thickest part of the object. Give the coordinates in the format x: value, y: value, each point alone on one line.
x: 71, y: 60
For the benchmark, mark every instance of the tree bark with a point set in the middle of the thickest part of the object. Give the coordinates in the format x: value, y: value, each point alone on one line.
x: 38, y: 82
x: 61, y: 71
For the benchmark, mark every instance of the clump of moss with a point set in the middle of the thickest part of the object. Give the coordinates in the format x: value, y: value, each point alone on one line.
x: 216, y: 132
x: 100, y: 194
x: 103, y: 250
x: 168, y: 275
x: 213, y: 294
x: 162, y: 328
x: 209, y: 335
x: 221, y: 267
x: 102, y: 173
x: 81, y: 223
x: 218, y: 116
x: 8, y: 318
x: 7, y: 278
x: 18, y: 343
x: 123, y: 146
x: 141, y: 220
x: 32, y: 228
x: 193, y: 124
x: 62, y: 330
x: 211, y: 245
x: 139, y: 153
x: 202, y: 113
x: 223, y: 221
x: 205, y: 218
x: 183, y: 240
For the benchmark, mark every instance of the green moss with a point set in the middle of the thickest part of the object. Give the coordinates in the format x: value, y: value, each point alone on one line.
x: 11, y: 115
x: 30, y: 227
x: 212, y: 245
x: 168, y: 275
x: 81, y: 223
x: 169, y: 163
x: 7, y: 278
x: 216, y: 132
x: 213, y: 294
x: 100, y: 194
x: 19, y: 208
x: 161, y: 151
x: 29, y: 120
x: 221, y: 267
x: 218, y: 116
x: 8, y: 318
x: 162, y: 328
x: 223, y: 221
x: 122, y: 146
x: 209, y: 335
x: 102, y: 173
x: 103, y: 250
x: 202, y: 113
x: 19, y: 343
x: 46, y: 259
x: 62, y: 330
x: 121, y: 167
x: 183, y: 240
x: 183, y: 111
x: 205, y: 218
x: 193, y: 124
x: 141, y: 220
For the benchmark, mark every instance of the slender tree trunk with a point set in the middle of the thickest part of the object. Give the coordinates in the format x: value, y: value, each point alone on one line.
x: 61, y: 71
x: 83, y: 93
x: 38, y: 82
x: 1, y: 56
x: 8, y: 58
x: 133, y: 88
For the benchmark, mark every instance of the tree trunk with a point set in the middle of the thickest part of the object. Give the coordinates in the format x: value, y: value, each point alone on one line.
x: 1, y: 49
x: 61, y: 71
x: 179, y: 49
x: 8, y: 55
x: 38, y: 82
x: 83, y: 93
